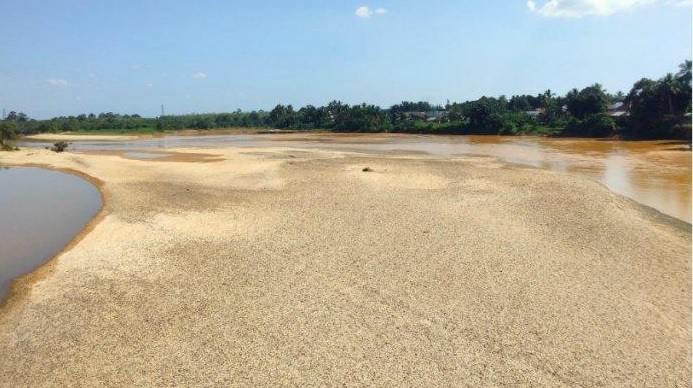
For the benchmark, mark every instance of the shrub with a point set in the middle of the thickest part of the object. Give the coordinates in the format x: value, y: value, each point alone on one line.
x: 59, y: 146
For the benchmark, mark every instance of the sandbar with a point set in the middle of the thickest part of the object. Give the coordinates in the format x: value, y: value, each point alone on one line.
x: 292, y: 267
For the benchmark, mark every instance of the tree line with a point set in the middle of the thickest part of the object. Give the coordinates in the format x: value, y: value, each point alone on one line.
x: 653, y: 109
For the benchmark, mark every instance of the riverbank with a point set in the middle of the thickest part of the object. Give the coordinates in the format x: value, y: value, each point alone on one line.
x: 67, y: 136
x: 105, y: 135
x: 271, y: 266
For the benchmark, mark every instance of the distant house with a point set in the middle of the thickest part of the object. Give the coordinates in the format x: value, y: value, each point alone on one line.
x: 535, y: 112
x: 435, y: 115
x: 617, y: 109
x: 417, y: 115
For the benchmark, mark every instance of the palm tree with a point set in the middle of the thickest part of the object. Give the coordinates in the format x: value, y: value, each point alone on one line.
x: 684, y: 78
x: 668, y: 88
x: 684, y: 74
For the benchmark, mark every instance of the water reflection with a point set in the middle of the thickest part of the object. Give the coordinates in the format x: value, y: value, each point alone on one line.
x: 654, y: 173
x: 617, y: 174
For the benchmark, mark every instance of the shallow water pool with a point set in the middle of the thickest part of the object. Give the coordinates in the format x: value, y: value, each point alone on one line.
x: 41, y: 211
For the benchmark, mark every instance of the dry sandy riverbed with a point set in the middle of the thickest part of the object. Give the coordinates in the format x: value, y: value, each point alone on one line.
x: 271, y: 267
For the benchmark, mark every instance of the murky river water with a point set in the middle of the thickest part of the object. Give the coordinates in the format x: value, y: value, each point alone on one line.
x: 655, y: 173
x: 40, y: 212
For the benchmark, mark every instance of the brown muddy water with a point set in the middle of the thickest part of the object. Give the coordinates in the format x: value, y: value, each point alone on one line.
x: 41, y: 211
x: 654, y: 173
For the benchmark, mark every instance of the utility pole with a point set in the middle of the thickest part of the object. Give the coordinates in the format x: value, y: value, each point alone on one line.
x: 162, y: 110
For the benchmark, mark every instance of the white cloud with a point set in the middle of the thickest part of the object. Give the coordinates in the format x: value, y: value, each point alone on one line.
x: 580, y: 8
x: 199, y: 75
x: 57, y: 82
x: 366, y: 12
x: 681, y: 3
x: 363, y: 12
x: 135, y: 67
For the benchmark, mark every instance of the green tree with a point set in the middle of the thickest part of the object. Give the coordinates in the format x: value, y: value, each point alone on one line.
x: 613, y: 98
x: 552, y: 107
x: 8, y: 133
x: 310, y: 117
x: 684, y: 79
x: 657, y: 108
x: 668, y: 89
x: 647, y: 110
x: 485, y: 115
x: 684, y: 74
x: 589, y: 101
x: 337, y: 114
x: 282, y: 116
x: 477, y: 112
x: 520, y: 104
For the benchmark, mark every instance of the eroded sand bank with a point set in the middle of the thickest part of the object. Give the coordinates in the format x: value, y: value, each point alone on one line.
x: 269, y: 267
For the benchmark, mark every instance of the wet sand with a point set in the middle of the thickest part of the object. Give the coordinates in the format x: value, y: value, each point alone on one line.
x: 281, y: 266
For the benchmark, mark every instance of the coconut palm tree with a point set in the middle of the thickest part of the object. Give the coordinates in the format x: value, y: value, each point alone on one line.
x: 668, y: 88
x: 684, y: 78
x: 684, y: 74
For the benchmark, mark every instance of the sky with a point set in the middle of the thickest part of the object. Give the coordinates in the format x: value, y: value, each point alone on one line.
x: 68, y: 57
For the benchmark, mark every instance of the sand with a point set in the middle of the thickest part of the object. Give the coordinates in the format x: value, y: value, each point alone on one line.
x: 287, y: 267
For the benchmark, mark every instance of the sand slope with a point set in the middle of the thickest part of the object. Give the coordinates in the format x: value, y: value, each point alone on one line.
x: 280, y: 267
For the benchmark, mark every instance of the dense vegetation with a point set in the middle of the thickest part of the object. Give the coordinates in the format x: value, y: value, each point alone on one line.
x: 8, y: 133
x: 653, y: 109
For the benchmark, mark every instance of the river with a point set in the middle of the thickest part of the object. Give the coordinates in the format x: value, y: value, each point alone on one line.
x: 654, y: 173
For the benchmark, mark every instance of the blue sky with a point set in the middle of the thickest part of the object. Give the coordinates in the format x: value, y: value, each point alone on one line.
x: 130, y: 56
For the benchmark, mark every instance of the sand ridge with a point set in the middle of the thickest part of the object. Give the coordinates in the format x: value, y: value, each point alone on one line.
x: 279, y: 266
